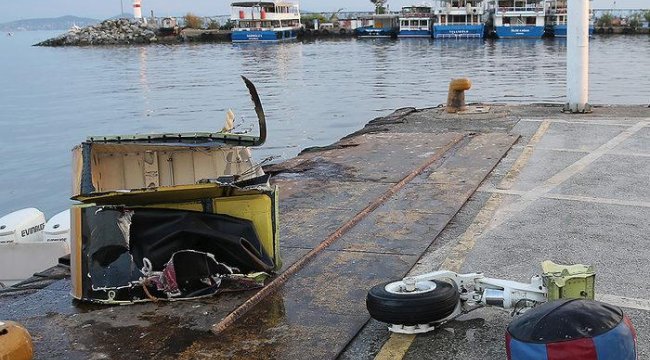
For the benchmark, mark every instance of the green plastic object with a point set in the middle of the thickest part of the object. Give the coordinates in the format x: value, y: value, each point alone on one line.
x: 569, y: 281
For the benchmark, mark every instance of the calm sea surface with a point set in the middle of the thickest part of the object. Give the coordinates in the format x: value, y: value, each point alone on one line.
x: 313, y: 93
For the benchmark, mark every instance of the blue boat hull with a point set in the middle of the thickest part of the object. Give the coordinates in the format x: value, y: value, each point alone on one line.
x: 414, y: 33
x: 370, y: 32
x: 264, y: 35
x: 561, y: 30
x: 458, y: 31
x: 510, y: 32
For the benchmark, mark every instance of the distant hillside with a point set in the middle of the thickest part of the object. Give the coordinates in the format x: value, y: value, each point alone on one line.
x: 60, y: 23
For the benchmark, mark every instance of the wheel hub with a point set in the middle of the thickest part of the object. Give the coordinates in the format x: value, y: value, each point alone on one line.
x: 410, y: 286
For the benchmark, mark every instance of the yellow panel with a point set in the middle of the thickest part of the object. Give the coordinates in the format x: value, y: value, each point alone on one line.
x: 75, y: 251
x: 189, y: 206
x: 77, y: 169
x: 259, y: 210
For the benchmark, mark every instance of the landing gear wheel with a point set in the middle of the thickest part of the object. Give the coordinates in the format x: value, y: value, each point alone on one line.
x: 430, y: 302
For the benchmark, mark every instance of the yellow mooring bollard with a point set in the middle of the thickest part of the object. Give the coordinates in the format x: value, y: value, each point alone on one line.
x: 456, y: 97
x: 15, y: 342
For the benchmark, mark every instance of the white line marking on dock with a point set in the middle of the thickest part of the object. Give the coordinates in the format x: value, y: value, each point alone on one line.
x: 584, y: 122
x: 616, y: 153
x: 509, y: 180
x: 587, y: 199
x: 625, y: 302
x: 559, y: 178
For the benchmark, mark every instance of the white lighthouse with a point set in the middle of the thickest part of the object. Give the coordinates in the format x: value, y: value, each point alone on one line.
x: 137, y: 9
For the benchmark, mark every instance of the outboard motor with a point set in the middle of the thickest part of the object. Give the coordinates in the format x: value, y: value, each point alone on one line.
x: 23, y: 247
x: 57, y: 229
x: 22, y: 226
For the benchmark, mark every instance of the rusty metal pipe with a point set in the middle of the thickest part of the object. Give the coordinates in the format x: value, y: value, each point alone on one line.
x: 456, y: 97
x: 279, y: 281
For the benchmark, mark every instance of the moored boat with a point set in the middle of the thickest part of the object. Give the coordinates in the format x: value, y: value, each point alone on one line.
x: 270, y: 21
x: 518, y: 18
x: 557, y: 17
x: 459, y: 19
x: 416, y: 21
x: 383, y: 26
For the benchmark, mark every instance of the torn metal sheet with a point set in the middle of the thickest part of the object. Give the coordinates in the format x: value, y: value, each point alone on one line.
x: 171, y: 216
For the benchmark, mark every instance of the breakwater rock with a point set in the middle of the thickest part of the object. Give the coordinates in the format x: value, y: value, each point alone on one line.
x: 109, y: 32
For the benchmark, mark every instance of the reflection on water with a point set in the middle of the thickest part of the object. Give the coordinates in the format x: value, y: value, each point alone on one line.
x: 313, y: 92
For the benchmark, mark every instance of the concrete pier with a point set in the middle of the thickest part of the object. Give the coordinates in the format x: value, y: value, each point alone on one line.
x: 494, y: 188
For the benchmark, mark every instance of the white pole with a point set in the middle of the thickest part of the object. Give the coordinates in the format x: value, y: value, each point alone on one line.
x: 137, y: 9
x: 578, y: 55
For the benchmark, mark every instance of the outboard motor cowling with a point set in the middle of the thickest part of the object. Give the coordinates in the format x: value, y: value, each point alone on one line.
x: 57, y: 229
x: 23, y: 248
x: 22, y: 226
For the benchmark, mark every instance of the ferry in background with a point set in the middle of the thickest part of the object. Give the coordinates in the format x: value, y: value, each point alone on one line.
x: 265, y: 21
x: 459, y: 19
x: 518, y: 18
x: 557, y: 18
x: 416, y: 21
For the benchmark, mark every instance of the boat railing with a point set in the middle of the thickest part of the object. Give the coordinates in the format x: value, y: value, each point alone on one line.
x: 534, y: 9
x: 558, y: 11
x: 460, y: 23
x: 257, y: 13
x: 265, y: 28
x: 456, y: 10
x: 416, y: 15
x: 460, y: 36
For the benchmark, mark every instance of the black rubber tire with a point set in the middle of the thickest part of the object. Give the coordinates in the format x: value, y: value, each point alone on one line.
x: 412, y: 309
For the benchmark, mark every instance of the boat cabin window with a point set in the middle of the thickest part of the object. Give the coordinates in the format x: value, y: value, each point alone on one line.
x: 458, y: 19
x: 424, y: 22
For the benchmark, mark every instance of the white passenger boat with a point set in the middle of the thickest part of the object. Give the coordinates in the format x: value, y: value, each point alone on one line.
x: 270, y: 21
x: 459, y: 19
x: 416, y: 21
x: 518, y: 18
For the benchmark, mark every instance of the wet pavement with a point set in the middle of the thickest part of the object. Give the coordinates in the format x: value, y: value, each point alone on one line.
x: 572, y: 189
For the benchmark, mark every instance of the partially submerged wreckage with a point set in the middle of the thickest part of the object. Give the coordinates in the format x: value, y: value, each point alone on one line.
x: 171, y: 216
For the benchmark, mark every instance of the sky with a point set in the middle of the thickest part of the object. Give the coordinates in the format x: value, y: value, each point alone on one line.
x: 101, y: 9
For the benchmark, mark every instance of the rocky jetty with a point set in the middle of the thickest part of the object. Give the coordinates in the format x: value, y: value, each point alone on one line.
x: 109, y: 32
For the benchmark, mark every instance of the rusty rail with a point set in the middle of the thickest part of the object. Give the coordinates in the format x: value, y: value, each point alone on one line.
x: 276, y: 283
